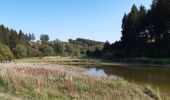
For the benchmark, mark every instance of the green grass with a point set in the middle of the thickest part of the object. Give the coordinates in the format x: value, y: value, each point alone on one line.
x: 44, y: 82
x: 83, y: 87
x: 61, y: 61
x: 85, y: 61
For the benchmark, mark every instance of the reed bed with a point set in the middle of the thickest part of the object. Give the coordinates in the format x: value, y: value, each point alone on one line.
x: 47, y: 82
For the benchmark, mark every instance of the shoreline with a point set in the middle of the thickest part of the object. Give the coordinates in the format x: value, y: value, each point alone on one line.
x: 135, y: 64
x: 85, y: 61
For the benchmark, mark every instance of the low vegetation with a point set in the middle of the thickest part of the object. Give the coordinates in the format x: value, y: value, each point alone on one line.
x: 42, y: 82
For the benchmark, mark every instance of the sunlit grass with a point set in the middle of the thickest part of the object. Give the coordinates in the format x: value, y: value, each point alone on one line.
x: 60, y: 60
x: 45, y: 82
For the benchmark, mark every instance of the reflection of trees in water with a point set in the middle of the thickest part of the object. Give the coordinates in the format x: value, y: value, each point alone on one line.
x: 156, y: 77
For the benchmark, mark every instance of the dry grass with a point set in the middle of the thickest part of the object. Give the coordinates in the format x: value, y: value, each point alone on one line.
x: 43, y: 82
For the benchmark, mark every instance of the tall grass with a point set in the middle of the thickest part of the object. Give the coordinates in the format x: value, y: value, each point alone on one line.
x: 45, y: 82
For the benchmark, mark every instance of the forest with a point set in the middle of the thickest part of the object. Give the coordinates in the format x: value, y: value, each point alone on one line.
x: 145, y: 33
x: 19, y: 45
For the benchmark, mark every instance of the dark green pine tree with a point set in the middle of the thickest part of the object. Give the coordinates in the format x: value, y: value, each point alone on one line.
x: 160, y: 22
x: 160, y: 18
x: 4, y: 35
x: 130, y: 29
x: 142, y: 37
x: 21, y: 38
x: 124, y: 28
x: 13, y: 38
x: 133, y: 21
x: 143, y: 18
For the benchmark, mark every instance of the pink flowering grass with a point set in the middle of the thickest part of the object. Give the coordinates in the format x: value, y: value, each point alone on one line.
x: 51, y: 82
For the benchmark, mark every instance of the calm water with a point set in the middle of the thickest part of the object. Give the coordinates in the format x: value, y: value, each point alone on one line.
x: 154, y: 76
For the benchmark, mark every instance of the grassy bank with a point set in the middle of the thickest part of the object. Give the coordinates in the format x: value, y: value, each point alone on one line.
x: 85, y: 61
x: 142, y: 60
x: 61, y: 61
x: 45, y: 82
x: 149, y: 61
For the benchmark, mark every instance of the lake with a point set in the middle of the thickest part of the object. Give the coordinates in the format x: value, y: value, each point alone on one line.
x: 156, y: 77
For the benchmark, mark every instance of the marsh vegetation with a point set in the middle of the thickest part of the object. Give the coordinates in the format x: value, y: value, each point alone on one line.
x: 42, y: 81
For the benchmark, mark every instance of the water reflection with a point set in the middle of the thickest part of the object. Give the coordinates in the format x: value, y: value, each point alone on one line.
x: 96, y: 72
x: 153, y: 76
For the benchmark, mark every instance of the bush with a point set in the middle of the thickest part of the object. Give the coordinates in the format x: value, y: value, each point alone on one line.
x: 33, y: 51
x: 5, y: 53
x: 76, y: 53
x: 20, y: 51
x: 47, y: 50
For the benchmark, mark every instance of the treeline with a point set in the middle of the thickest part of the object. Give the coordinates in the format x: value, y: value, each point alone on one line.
x: 14, y: 44
x: 85, y: 45
x: 19, y: 45
x: 145, y: 33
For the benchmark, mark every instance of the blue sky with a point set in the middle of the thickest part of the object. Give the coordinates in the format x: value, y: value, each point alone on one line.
x: 63, y: 19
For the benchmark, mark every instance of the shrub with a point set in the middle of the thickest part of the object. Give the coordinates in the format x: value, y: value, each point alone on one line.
x: 47, y: 50
x: 5, y: 53
x: 20, y: 51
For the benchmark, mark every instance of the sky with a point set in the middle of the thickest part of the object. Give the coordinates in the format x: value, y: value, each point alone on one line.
x: 64, y: 19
